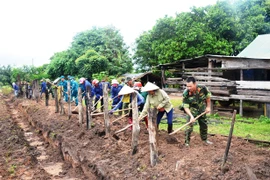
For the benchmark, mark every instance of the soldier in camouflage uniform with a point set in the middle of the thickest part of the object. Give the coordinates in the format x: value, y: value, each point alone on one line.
x: 196, y: 100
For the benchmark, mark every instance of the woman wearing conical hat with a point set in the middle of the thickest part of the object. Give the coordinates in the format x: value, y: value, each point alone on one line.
x: 159, y: 99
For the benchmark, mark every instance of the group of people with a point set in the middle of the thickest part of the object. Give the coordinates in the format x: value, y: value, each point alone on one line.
x: 196, y: 100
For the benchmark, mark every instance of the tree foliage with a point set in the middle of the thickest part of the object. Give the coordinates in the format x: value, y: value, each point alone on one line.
x: 92, y: 51
x: 225, y: 28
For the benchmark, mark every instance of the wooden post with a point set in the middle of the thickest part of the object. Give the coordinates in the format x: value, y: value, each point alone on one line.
x: 163, y: 77
x: 56, y: 100
x: 62, y: 110
x: 135, y: 124
x: 229, y: 140
x: 69, y: 99
x: 106, y: 109
x: 36, y: 90
x: 80, y: 106
x: 152, y: 128
x: 183, y: 71
x: 88, y: 103
x: 241, y: 107
x: 267, y: 110
x: 212, y: 106
x: 46, y: 97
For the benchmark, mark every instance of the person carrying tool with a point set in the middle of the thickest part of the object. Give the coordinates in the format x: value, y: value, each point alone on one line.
x: 196, y: 100
x: 158, y: 98
x: 43, y: 87
x: 74, y: 90
x: 115, y: 89
x: 124, y: 91
x: 63, y: 83
x: 98, y: 92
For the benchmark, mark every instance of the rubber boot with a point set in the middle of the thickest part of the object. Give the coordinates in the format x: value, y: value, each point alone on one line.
x: 170, y: 128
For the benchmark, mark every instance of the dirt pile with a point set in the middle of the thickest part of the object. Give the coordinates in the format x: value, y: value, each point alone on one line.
x: 110, y: 158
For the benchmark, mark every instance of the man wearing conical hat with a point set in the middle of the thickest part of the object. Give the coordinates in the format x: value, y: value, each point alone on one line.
x: 159, y: 99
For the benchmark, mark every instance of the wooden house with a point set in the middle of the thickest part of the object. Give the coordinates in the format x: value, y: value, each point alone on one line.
x: 245, y: 77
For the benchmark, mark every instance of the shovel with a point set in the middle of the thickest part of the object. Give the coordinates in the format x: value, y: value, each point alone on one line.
x: 187, y: 123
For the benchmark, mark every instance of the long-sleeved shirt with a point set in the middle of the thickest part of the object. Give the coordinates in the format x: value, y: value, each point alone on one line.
x: 86, y: 85
x: 64, y: 84
x: 159, y: 99
x: 140, y: 100
x: 98, y: 90
x: 115, y: 90
x: 43, y: 86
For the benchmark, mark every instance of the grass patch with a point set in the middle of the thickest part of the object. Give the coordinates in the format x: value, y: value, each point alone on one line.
x: 176, y: 102
x: 251, y: 128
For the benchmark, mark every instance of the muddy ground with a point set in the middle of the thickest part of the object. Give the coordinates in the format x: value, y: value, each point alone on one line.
x: 88, y: 154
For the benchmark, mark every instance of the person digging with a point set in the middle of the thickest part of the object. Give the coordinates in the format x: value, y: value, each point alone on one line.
x: 126, y: 90
x: 196, y: 100
x: 158, y: 98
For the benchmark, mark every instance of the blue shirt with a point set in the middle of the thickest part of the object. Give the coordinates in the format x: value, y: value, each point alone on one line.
x: 98, y: 90
x: 85, y: 86
x: 43, y: 86
x: 64, y: 84
x: 140, y: 101
x: 115, y: 91
x: 74, y: 86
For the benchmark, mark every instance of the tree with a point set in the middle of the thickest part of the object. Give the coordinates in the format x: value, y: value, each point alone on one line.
x: 91, y: 62
x: 110, y: 51
x: 5, y: 75
x: 225, y: 28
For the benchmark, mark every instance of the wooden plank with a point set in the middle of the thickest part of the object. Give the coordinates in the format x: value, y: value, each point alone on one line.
x: 220, y: 98
x: 106, y: 109
x: 198, y: 73
x: 173, y: 89
x: 209, y: 78
x: 260, y: 85
x: 221, y: 92
x: 135, y: 125
x: 253, y: 92
x: 250, y: 98
x: 152, y: 129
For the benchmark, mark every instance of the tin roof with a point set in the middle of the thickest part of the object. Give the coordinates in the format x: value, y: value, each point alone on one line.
x: 258, y: 48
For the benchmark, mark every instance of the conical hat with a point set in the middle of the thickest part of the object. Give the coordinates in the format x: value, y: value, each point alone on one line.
x: 126, y: 90
x: 149, y: 87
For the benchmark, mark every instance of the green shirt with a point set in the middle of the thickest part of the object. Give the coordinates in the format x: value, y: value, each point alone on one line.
x: 158, y: 100
x: 196, y: 102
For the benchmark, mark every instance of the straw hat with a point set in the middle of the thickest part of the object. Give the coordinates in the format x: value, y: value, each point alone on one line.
x: 114, y: 81
x: 126, y: 90
x: 149, y: 87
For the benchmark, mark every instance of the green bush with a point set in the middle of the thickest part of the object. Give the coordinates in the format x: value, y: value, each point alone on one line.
x: 264, y: 119
x: 6, y: 90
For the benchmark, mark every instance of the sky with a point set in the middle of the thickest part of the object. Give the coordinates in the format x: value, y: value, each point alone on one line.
x: 32, y: 31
